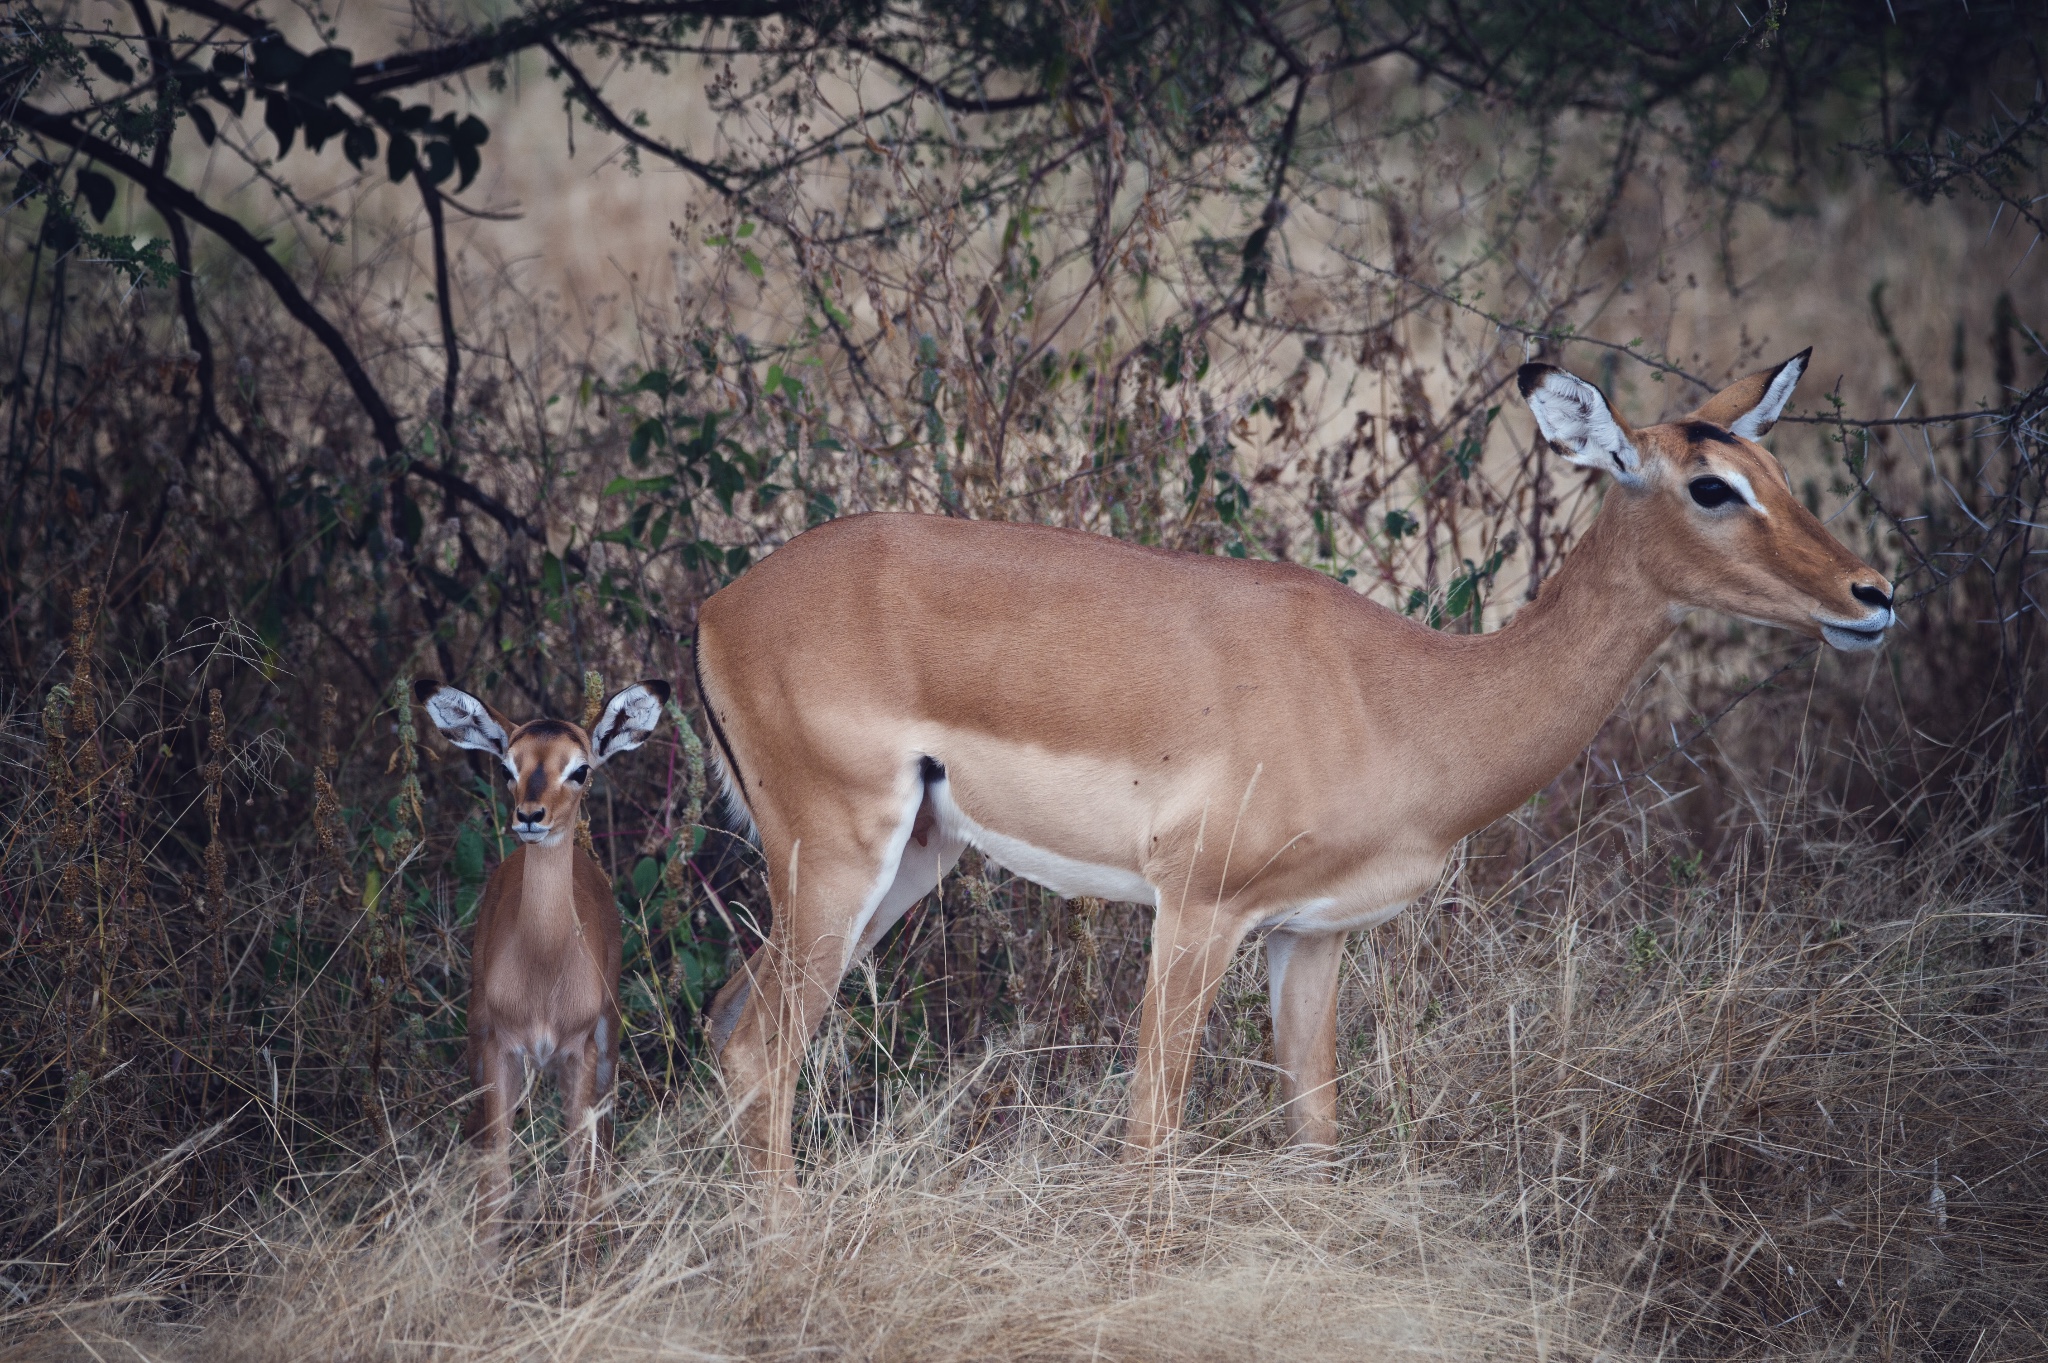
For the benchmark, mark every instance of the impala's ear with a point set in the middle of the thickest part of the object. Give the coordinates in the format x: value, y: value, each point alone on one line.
x: 463, y: 719
x: 628, y: 720
x: 1750, y: 407
x: 1574, y: 417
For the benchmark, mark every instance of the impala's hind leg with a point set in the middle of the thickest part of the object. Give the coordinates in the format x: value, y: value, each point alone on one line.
x: 1302, y: 972
x: 828, y: 876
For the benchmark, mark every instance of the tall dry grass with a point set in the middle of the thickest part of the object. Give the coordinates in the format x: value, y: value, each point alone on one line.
x: 1603, y: 1099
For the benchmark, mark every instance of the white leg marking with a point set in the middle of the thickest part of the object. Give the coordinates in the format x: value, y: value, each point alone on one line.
x: 892, y: 859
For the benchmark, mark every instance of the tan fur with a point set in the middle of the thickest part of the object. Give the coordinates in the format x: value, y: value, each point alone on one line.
x: 544, y: 970
x: 1250, y: 738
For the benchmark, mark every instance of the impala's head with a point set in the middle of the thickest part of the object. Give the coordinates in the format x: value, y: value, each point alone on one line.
x: 1714, y: 516
x: 549, y: 761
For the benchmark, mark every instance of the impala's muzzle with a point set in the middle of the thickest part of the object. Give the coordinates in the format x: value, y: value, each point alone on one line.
x: 1852, y: 636
x: 530, y: 825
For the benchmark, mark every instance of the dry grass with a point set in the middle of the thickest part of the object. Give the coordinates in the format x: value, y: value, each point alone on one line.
x: 1620, y: 1105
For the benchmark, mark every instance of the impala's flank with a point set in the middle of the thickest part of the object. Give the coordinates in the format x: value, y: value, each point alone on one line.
x: 1243, y: 746
x: 544, y: 973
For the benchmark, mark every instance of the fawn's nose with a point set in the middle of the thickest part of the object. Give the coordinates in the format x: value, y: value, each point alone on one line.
x: 1871, y: 596
x: 533, y: 817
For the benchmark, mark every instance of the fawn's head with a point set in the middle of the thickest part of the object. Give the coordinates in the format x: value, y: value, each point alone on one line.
x: 549, y: 761
x: 1713, y: 516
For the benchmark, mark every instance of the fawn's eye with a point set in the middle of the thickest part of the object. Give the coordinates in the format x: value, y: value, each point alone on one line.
x: 1712, y: 492
x: 578, y: 776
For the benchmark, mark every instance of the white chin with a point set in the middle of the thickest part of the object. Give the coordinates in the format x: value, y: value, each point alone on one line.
x: 530, y: 836
x: 1852, y: 640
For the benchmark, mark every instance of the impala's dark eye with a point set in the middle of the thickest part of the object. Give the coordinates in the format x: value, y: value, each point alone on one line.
x: 1712, y: 492
x: 578, y: 776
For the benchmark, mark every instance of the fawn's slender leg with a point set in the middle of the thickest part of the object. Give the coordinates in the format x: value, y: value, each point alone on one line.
x: 501, y: 1075
x: 586, y: 1127
x: 1302, y: 972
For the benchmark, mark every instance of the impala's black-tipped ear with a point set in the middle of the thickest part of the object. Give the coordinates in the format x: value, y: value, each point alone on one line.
x: 1750, y: 406
x: 1575, y: 418
x: 629, y: 719
x: 462, y: 719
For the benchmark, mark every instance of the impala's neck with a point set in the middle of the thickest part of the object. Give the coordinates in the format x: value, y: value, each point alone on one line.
x: 1527, y: 699
x: 547, y: 888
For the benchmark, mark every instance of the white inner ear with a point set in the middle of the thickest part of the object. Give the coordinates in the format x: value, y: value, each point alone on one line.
x: 1574, y: 417
x: 1752, y: 424
x: 463, y: 719
x: 627, y: 721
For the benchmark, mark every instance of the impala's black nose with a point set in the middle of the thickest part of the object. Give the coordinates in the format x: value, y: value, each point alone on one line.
x: 1871, y: 596
x: 533, y: 817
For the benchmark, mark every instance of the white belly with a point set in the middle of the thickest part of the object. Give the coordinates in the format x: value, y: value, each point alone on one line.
x: 1063, y: 875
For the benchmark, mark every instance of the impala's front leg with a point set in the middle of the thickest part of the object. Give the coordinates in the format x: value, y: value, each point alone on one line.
x: 500, y: 1075
x: 1191, y: 948
x: 1302, y: 972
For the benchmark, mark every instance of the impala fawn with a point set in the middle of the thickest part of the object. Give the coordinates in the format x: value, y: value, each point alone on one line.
x: 544, y: 974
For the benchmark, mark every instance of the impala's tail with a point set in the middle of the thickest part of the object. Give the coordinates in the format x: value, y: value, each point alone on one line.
x: 731, y: 781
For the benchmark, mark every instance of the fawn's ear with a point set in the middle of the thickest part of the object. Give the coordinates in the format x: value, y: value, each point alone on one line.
x: 1750, y: 407
x: 629, y: 719
x: 1575, y: 418
x: 463, y: 719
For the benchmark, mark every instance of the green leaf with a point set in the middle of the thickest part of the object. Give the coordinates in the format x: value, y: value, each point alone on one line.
x: 645, y: 876
x: 111, y: 66
x: 638, y: 485
x: 751, y: 263
x: 358, y: 144
x: 653, y: 381
x: 99, y: 193
x: 276, y: 60
x: 401, y: 157
x: 469, y: 855
x: 282, y: 120
x: 323, y: 74
x: 646, y: 435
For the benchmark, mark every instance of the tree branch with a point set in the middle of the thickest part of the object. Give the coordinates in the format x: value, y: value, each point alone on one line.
x: 167, y: 194
x: 593, y: 100
x: 165, y: 191
x: 431, y: 197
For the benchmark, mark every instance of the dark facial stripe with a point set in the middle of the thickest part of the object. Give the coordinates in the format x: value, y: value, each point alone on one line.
x: 536, y: 782
x: 1707, y: 431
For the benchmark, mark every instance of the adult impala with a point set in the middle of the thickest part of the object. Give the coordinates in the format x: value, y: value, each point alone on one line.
x: 1240, y: 745
x: 544, y: 972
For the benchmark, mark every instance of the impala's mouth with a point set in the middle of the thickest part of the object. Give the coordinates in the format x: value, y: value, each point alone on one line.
x: 1857, y: 636
x: 530, y: 833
